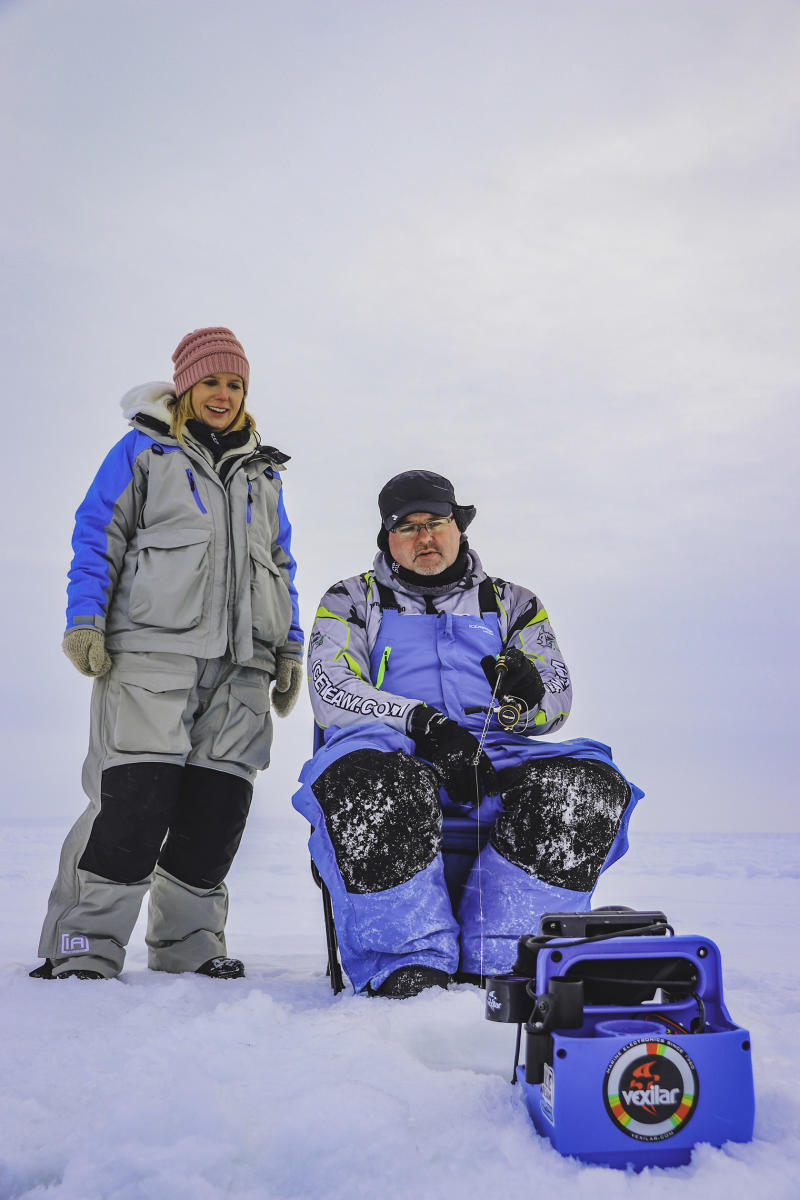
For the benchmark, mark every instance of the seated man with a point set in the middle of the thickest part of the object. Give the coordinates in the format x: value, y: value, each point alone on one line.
x: 403, y: 668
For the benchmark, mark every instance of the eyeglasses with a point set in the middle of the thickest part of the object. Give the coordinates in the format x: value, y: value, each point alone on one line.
x: 410, y: 528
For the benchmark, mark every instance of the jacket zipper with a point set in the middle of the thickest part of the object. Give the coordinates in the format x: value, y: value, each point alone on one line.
x: 382, y: 666
x: 195, y: 493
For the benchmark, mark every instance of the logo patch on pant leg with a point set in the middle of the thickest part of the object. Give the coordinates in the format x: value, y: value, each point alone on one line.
x: 74, y: 943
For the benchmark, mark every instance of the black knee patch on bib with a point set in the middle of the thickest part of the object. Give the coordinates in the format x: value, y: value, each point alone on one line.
x: 560, y: 818
x: 383, y: 817
x: 207, y: 826
x: 137, y: 801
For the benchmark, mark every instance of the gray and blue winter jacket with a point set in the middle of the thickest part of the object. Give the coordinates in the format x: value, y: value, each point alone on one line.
x: 352, y: 663
x: 175, y: 553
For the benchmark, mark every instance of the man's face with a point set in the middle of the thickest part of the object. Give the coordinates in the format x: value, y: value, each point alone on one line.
x: 424, y: 552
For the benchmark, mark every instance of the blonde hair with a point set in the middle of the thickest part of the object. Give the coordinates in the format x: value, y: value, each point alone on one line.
x: 181, y: 411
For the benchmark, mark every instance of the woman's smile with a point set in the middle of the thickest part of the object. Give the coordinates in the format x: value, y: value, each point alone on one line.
x: 216, y: 400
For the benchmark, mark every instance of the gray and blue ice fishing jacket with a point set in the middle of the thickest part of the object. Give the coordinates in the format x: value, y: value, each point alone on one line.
x: 174, y: 553
x: 353, y: 662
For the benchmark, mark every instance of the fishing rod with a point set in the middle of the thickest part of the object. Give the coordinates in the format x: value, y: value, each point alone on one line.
x: 509, y: 711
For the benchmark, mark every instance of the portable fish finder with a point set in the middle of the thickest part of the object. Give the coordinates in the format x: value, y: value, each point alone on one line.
x: 631, y: 1057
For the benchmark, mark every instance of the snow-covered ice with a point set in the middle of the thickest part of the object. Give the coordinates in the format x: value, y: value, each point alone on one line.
x: 182, y: 1088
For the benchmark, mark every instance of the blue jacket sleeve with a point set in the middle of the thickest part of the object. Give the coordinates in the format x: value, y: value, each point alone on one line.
x: 104, y: 524
x: 295, y: 639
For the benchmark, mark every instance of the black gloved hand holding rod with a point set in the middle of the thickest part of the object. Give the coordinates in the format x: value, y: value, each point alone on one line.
x: 511, y: 674
x: 454, y: 753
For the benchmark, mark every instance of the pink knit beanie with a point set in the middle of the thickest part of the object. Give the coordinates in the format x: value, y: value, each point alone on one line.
x: 205, y: 352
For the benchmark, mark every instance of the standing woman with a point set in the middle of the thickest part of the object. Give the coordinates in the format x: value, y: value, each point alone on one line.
x: 182, y: 605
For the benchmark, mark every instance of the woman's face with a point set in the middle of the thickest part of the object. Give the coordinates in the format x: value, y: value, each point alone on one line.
x: 216, y: 400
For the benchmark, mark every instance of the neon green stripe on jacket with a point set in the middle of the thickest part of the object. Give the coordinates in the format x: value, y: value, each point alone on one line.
x: 352, y: 663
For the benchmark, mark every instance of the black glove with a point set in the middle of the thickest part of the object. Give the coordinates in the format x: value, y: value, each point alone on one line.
x: 453, y: 753
x: 522, y: 680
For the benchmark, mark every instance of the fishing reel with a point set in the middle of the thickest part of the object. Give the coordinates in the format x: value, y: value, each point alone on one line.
x: 511, y: 712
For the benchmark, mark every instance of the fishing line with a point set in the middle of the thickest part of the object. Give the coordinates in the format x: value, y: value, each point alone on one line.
x: 512, y: 713
x: 502, y: 671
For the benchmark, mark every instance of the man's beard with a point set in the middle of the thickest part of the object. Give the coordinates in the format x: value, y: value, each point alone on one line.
x: 430, y: 565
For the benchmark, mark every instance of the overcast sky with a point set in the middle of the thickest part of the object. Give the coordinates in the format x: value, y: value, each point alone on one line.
x: 549, y: 249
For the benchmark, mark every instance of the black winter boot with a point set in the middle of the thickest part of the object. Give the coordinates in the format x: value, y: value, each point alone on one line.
x: 470, y: 977
x: 45, y: 971
x: 410, y: 981
x: 222, y: 968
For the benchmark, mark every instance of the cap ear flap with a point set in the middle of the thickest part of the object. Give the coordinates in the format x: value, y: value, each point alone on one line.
x: 383, y: 540
x: 464, y: 515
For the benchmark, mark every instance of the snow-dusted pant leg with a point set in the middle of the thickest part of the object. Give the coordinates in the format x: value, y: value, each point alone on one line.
x: 503, y: 902
x: 377, y: 845
x: 561, y: 817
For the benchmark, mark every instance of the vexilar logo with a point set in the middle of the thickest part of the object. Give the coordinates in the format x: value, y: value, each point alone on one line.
x: 651, y: 1089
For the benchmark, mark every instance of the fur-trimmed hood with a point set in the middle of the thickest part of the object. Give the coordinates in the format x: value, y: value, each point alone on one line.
x: 149, y: 399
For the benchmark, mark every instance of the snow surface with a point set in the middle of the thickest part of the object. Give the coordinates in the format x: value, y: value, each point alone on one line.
x: 189, y: 1089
